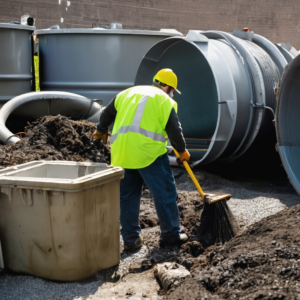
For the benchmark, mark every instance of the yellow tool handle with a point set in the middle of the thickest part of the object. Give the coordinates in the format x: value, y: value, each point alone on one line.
x: 187, y: 167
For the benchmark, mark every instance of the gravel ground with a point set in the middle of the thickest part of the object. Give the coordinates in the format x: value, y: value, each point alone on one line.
x: 251, y: 201
x: 29, y: 288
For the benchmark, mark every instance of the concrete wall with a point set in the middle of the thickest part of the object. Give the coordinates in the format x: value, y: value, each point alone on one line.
x: 278, y: 20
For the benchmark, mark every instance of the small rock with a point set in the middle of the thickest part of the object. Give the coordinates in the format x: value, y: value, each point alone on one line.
x: 170, y: 274
x: 156, y: 259
x: 129, y: 293
x: 187, y: 264
x: 205, y: 279
x: 146, y: 263
x: 285, y: 270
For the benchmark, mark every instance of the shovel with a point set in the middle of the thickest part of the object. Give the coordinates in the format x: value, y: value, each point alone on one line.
x: 207, y: 198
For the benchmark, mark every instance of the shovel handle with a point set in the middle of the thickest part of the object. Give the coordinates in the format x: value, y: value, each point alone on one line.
x: 188, y: 169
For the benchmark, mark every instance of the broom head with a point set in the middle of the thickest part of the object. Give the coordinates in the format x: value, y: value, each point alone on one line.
x: 212, y: 198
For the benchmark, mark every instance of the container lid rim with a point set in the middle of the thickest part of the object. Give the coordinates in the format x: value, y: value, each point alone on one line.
x: 17, y: 26
x: 106, y: 31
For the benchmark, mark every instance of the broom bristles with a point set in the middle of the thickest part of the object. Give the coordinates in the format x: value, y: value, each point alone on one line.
x: 218, y: 224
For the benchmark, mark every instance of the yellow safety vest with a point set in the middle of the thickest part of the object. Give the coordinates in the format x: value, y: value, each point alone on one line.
x: 139, y: 134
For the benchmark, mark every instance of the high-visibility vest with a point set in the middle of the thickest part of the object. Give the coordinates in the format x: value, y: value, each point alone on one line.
x: 139, y: 136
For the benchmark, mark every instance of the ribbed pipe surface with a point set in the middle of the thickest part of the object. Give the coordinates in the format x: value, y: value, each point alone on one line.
x: 269, y: 70
x: 38, y: 104
x: 227, y: 85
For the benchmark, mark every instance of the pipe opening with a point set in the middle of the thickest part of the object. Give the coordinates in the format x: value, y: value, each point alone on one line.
x: 227, y: 85
x: 198, y: 102
x: 288, y: 122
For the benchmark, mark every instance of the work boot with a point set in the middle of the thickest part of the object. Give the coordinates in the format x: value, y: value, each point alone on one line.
x: 138, y: 244
x: 183, y: 238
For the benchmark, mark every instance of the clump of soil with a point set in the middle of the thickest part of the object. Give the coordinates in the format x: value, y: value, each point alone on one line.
x: 263, y: 262
x: 56, y: 138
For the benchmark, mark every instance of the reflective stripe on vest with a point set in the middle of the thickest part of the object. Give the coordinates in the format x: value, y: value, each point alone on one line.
x: 135, y: 126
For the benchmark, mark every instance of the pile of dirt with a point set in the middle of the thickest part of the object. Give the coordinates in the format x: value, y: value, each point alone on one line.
x: 262, y: 262
x: 56, y: 138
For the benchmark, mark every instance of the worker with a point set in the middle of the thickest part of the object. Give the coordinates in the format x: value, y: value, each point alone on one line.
x: 144, y: 117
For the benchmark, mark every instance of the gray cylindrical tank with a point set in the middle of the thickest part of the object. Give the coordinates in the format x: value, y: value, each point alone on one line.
x: 96, y: 63
x: 15, y: 60
x: 227, y: 83
x: 288, y: 51
x: 287, y: 122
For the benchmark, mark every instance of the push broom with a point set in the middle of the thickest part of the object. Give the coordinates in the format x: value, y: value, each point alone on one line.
x: 217, y: 221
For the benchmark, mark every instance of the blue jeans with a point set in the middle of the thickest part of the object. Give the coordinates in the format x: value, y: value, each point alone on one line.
x: 160, y: 181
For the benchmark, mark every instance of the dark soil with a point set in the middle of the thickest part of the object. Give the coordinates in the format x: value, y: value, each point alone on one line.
x: 55, y: 138
x: 190, y: 206
x: 194, y: 254
x: 263, y: 262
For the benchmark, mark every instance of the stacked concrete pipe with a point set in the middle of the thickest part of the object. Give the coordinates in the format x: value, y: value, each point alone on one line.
x: 227, y: 83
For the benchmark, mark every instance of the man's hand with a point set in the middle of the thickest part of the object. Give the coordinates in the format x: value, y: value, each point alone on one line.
x: 100, y: 136
x: 185, y: 156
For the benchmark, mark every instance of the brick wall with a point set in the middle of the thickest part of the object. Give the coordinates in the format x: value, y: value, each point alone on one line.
x: 278, y: 20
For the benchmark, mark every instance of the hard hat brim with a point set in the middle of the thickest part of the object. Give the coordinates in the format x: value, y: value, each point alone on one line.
x: 177, y: 91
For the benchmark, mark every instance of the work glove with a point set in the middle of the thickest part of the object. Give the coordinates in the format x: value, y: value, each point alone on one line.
x: 100, y: 136
x: 184, y: 156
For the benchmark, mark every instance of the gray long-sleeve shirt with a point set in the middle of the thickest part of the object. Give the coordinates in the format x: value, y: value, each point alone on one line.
x: 173, y: 126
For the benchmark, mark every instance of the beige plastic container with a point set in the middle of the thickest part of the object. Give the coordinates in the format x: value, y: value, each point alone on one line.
x: 60, y: 220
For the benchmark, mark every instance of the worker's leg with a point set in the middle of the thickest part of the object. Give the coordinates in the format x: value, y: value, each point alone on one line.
x: 130, y: 198
x: 159, y: 179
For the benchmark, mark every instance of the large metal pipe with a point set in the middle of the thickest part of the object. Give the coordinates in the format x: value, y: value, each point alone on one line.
x: 15, y: 60
x: 227, y: 83
x: 287, y: 122
x: 288, y: 51
x: 38, y: 104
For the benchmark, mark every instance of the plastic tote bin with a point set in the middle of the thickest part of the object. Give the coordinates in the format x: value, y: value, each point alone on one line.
x: 60, y: 220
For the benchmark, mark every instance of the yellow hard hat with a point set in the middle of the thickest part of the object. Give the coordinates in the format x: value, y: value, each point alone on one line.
x: 168, y: 77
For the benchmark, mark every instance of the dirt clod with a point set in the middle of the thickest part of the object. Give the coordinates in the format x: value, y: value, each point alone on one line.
x: 56, y: 138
